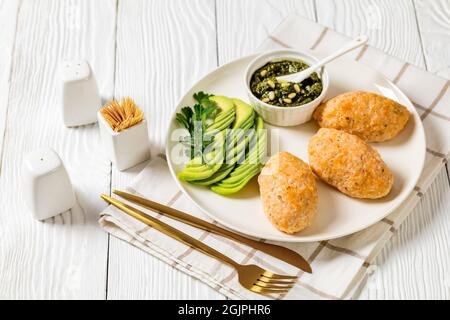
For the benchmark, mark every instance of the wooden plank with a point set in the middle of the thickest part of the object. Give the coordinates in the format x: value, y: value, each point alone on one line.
x: 8, y: 21
x: 243, y: 25
x: 162, y: 48
x: 433, y: 18
x: 64, y: 257
x: 391, y: 25
x: 415, y: 263
x: 404, y: 270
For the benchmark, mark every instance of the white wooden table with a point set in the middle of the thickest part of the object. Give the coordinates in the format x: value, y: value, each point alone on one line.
x: 153, y: 50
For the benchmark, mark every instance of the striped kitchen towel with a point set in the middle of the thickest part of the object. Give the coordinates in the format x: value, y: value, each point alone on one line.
x: 341, y: 265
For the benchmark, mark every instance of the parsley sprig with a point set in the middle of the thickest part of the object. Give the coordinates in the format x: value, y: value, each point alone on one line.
x: 195, y: 119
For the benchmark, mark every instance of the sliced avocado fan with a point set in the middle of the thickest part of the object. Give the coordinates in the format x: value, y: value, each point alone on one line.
x: 210, y: 162
x: 237, y: 141
x: 244, y: 172
x: 233, y: 157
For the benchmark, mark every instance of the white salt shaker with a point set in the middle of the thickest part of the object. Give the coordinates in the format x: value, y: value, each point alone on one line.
x: 80, y: 96
x: 126, y: 148
x: 46, y: 185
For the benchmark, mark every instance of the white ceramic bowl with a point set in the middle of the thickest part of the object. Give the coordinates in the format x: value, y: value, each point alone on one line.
x: 284, y: 116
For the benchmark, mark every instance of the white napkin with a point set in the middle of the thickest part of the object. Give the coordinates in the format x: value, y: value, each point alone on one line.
x: 339, y: 265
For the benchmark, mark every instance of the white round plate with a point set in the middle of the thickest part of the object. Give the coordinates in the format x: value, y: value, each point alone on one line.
x: 338, y: 215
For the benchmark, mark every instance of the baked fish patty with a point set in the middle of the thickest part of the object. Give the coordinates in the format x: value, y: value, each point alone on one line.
x: 349, y: 164
x: 289, y: 193
x: 371, y: 117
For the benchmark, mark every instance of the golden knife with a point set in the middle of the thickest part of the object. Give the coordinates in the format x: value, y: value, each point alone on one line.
x: 282, y: 253
x: 251, y: 277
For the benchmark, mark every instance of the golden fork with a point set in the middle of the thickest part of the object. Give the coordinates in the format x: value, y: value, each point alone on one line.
x: 282, y: 253
x: 250, y: 277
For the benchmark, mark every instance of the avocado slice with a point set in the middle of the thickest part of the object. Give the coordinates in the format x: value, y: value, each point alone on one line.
x: 216, y: 177
x: 244, y: 172
x: 244, y: 111
x: 234, y: 156
x: 236, y: 147
x: 188, y: 175
x: 237, y: 177
x: 226, y: 106
x: 240, y: 169
x: 200, y: 169
x: 259, y: 149
x: 249, y: 122
x: 223, y: 115
x: 238, y: 153
x: 197, y: 162
x: 227, y: 168
x: 259, y: 123
x: 223, y: 124
x: 210, y: 155
x: 212, y: 161
x: 226, y: 190
x: 235, y: 136
x: 226, y: 115
x: 245, y: 121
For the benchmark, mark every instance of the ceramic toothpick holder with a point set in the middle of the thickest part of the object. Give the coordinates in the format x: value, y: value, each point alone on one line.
x: 46, y: 188
x: 80, y: 95
x: 128, y: 147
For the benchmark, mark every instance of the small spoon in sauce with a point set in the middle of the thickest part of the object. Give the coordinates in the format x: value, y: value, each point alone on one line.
x: 305, y: 74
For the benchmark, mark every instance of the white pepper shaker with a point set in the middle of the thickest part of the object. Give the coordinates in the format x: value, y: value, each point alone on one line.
x: 80, y: 95
x: 46, y: 188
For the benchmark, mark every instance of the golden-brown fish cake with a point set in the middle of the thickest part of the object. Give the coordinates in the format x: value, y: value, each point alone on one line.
x: 289, y: 193
x: 371, y: 117
x: 349, y: 164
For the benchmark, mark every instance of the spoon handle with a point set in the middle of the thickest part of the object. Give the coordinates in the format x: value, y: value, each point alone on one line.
x: 299, y: 77
x: 356, y: 43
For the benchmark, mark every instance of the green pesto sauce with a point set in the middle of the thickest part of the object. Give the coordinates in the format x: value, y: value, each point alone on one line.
x: 285, y: 94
